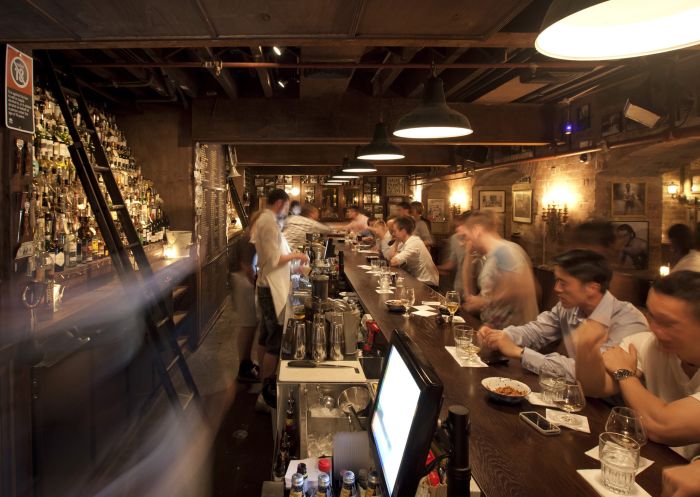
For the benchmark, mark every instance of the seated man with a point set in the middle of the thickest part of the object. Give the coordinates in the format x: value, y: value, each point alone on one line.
x: 582, y: 278
x: 657, y: 372
x: 413, y: 252
x: 296, y: 227
x: 382, y: 237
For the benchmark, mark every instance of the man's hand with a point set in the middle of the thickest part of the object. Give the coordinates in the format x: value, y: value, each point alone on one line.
x: 616, y: 358
x: 302, y: 257
x: 591, y: 335
x: 474, y: 303
x: 498, y: 340
x: 681, y: 481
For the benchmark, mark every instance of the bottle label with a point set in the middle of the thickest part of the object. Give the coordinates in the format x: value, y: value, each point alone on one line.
x: 345, y: 491
x: 296, y: 493
x: 59, y: 259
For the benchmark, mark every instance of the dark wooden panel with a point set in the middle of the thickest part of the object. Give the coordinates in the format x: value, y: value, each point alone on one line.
x: 507, y: 457
x: 470, y: 18
x: 16, y: 19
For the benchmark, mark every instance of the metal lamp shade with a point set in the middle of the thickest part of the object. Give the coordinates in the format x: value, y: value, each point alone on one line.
x: 380, y: 148
x: 433, y: 118
x: 358, y: 166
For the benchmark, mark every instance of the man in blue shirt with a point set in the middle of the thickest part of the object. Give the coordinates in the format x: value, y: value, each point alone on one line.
x: 582, y: 279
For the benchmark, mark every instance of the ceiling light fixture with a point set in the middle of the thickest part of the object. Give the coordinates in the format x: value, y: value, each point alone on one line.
x: 277, y: 50
x: 344, y: 176
x: 433, y: 118
x: 358, y: 166
x: 380, y: 148
x: 282, y: 83
x: 617, y: 29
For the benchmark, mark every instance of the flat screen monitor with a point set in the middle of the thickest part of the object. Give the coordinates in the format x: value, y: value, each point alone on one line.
x: 404, y: 417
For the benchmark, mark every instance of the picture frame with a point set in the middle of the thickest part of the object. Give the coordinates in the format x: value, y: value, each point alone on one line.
x: 522, y: 206
x: 259, y: 181
x: 436, y: 209
x: 492, y: 200
x: 583, y: 117
x: 628, y: 199
x: 632, y: 244
x: 395, y: 185
x: 611, y: 124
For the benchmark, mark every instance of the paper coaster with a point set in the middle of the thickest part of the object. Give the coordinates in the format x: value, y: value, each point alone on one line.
x: 594, y: 478
x: 556, y: 417
x: 463, y: 362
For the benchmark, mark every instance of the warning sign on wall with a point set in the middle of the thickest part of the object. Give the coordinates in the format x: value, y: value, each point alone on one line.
x: 19, y: 90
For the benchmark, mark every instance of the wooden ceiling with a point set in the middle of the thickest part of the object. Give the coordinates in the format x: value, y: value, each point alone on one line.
x: 333, y: 54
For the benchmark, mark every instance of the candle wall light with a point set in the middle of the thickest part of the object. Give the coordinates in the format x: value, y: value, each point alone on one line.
x: 457, y: 200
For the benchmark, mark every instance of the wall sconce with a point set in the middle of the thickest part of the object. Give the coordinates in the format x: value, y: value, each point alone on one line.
x: 555, y: 219
x: 672, y: 189
x: 295, y: 191
x: 457, y: 200
x: 664, y: 271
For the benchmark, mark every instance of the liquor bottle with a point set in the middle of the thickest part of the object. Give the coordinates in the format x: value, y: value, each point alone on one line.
x: 282, y: 459
x: 348, y: 488
x: 301, y: 470
x: 59, y: 254
x: 372, y: 485
x: 290, y: 427
x: 297, y: 486
x: 324, y: 486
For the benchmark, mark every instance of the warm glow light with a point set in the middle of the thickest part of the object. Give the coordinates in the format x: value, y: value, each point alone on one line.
x: 344, y: 176
x: 664, y: 271
x: 560, y: 195
x: 458, y: 198
x: 672, y: 189
x: 434, y: 132
x: 170, y: 252
x: 619, y: 29
x: 417, y: 192
x: 295, y: 191
x: 277, y: 50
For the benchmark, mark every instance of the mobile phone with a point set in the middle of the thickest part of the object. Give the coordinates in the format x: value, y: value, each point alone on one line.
x: 539, y: 423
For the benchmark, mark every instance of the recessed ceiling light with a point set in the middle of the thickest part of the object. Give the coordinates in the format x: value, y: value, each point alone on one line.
x: 277, y: 50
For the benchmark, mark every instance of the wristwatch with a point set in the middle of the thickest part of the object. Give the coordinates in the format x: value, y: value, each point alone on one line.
x: 621, y: 374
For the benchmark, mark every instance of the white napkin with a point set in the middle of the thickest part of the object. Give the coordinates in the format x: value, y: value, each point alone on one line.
x: 384, y: 291
x: 536, y: 399
x: 644, y: 463
x: 431, y: 302
x: 390, y: 288
x: 363, y: 266
x: 463, y: 362
x: 457, y: 319
x: 366, y: 252
x: 555, y: 417
x: 594, y: 478
x: 424, y: 313
x: 424, y: 308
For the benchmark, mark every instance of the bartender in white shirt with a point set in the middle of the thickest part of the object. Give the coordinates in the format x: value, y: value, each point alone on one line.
x: 413, y: 253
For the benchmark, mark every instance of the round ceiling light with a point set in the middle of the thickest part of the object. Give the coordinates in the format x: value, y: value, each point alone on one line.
x: 358, y: 166
x: 617, y: 29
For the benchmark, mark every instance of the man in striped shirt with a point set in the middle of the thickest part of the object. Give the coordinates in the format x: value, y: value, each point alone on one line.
x: 296, y: 227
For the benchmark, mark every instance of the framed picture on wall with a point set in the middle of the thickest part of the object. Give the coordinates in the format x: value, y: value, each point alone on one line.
x: 583, y: 117
x: 395, y: 185
x: 628, y: 199
x: 522, y: 206
x: 632, y: 244
x: 436, y: 209
x: 611, y: 124
x: 492, y: 200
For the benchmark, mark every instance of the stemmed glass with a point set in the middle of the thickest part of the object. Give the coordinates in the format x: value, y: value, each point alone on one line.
x: 408, y: 297
x: 570, y: 398
x: 626, y: 421
x: 452, y: 303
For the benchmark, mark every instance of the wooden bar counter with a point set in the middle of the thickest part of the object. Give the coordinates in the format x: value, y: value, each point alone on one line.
x: 508, y: 457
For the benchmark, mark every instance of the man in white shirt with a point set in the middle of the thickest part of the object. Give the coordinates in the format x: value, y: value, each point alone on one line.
x: 358, y: 221
x: 273, y: 278
x: 657, y: 372
x: 506, y: 282
x: 413, y: 253
x: 582, y: 278
x: 422, y: 229
x: 382, y: 237
x: 296, y: 227
x: 684, y: 257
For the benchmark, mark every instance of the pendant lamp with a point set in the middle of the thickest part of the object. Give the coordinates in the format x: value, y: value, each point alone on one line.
x: 380, y: 148
x: 433, y: 118
x: 617, y: 29
x: 357, y: 166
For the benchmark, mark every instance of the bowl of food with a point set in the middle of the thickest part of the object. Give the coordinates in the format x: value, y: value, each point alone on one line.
x: 394, y: 306
x: 505, y: 389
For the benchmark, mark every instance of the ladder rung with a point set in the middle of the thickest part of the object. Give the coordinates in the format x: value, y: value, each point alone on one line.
x: 132, y: 245
x: 117, y: 207
x: 101, y: 168
x: 172, y: 363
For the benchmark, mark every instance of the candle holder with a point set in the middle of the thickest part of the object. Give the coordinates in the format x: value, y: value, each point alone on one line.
x: 456, y: 209
x: 555, y: 220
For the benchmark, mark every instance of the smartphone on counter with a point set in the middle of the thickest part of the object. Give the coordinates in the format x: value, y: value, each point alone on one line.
x: 539, y: 423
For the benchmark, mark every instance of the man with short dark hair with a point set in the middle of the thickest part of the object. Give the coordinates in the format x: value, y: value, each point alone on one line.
x: 296, y: 227
x: 382, y: 237
x: 422, y: 229
x: 273, y: 279
x: 413, y: 252
x: 358, y: 221
x: 403, y: 209
x: 582, y: 278
x: 657, y: 372
x: 685, y: 258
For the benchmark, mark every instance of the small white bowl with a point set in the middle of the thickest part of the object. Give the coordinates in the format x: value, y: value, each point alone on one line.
x: 494, y: 382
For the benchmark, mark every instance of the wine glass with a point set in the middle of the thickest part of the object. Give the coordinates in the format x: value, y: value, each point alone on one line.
x: 452, y: 303
x: 570, y: 398
x: 408, y: 297
x: 626, y: 421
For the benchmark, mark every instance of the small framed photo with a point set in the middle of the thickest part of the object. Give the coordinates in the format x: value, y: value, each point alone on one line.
x: 628, y: 199
x: 583, y: 118
x: 492, y: 200
x: 436, y: 209
x: 259, y: 181
x: 395, y: 185
x: 632, y: 244
x: 522, y: 206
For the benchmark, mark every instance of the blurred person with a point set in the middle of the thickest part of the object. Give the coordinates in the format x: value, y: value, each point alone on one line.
x: 403, y: 209
x: 422, y: 229
x: 242, y: 277
x: 582, y: 278
x: 413, y: 253
x: 296, y: 227
x: 382, y: 237
x: 454, y: 261
x: 681, y: 481
x: 685, y: 257
x: 294, y: 208
x: 273, y: 285
x: 633, y: 252
x: 507, y: 293
x: 358, y: 221
x: 657, y: 372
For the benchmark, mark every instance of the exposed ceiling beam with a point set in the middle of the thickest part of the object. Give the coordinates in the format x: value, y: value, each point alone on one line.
x: 501, y: 39
x: 263, y: 74
x: 349, y: 121
x: 419, y: 80
x: 219, y: 73
x: 384, y: 78
x: 185, y: 81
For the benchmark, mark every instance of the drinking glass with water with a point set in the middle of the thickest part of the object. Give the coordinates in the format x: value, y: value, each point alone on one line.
x: 619, y: 460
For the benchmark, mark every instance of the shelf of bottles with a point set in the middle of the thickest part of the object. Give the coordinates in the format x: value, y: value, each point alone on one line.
x: 65, y: 232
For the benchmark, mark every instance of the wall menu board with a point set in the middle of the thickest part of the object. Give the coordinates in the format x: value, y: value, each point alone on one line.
x: 210, y: 201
